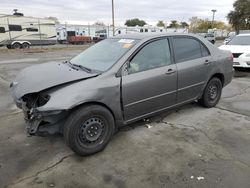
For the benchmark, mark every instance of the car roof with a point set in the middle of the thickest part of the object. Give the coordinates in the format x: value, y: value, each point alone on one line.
x: 141, y: 36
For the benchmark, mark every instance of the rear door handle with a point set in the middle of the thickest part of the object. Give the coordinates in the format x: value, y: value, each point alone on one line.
x: 207, y: 62
x: 170, y: 71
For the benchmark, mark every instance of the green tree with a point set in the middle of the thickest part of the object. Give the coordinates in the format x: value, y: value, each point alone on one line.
x: 198, y: 25
x: 160, y: 24
x: 174, y: 24
x: 135, y: 22
x: 184, y: 24
x: 240, y: 16
x: 98, y: 23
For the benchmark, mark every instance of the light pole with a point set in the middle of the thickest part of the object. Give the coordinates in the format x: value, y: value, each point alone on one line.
x: 213, y: 17
x: 113, y: 18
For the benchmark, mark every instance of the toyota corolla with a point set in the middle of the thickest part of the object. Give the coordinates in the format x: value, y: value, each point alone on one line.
x: 118, y: 81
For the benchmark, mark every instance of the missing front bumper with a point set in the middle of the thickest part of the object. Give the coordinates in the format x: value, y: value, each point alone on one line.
x: 44, y: 123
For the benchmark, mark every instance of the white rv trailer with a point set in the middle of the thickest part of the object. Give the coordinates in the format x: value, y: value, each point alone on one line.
x: 21, y: 32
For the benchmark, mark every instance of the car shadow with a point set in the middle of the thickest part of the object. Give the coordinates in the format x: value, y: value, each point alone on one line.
x: 158, y: 118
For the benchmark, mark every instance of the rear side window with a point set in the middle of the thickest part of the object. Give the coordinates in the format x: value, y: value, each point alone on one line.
x: 186, y: 49
x: 15, y: 27
x: 2, y: 30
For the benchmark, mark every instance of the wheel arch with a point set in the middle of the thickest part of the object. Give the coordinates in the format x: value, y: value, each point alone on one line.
x: 20, y: 42
x: 215, y: 75
x: 94, y: 103
x: 220, y: 76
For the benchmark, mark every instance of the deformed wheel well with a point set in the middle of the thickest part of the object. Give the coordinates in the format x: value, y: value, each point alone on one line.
x: 95, y: 103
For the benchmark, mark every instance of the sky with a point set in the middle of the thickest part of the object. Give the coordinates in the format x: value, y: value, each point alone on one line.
x: 90, y: 11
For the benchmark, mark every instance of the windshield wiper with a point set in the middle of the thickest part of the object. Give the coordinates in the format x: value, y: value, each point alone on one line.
x: 82, y: 67
x: 79, y: 66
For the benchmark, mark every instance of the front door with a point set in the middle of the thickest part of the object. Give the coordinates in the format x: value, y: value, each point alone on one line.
x: 151, y: 82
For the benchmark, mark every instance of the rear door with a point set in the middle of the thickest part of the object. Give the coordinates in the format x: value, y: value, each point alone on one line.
x: 151, y: 82
x: 193, y: 62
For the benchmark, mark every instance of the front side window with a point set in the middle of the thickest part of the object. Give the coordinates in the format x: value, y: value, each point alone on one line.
x: 15, y: 28
x: 153, y: 55
x: 104, y: 54
x: 186, y: 49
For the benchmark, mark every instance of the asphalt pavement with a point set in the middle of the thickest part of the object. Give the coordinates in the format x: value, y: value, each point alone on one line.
x: 187, y: 147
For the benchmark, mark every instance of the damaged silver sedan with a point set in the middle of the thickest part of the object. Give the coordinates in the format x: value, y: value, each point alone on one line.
x: 119, y: 81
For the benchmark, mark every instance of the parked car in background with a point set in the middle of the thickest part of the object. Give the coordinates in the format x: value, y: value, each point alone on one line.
x: 240, y: 48
x: 209, y: 36
x: 227, y: 40
x: 118, y: 81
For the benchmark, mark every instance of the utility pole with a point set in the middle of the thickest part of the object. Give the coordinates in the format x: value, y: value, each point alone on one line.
x: 113, y: 18
x: 213, y: 17
x: 8, y: 22
x: 40, y: 33
x: 66, y: 35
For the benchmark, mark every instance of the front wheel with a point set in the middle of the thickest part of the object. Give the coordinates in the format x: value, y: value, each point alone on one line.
x: 212, y: 93
x: 89, y: 129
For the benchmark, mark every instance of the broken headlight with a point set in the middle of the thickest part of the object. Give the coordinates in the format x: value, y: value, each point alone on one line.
x: 35, y: 100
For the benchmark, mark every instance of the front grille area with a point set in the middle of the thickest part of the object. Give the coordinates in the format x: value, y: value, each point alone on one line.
x: 236, y: 63
x: 236, y: 55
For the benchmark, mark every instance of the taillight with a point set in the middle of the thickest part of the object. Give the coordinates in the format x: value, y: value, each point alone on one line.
x: 231, y: 57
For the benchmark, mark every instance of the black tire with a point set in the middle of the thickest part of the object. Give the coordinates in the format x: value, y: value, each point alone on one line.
x: 16, y: 45
x: 212, y: 93
x: 8, y: 46
x: 25, y: 45
x: 89, y: 129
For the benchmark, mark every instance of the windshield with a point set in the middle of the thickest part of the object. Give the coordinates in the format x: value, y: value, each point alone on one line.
x: 240, y: 40
x: 104, y: 54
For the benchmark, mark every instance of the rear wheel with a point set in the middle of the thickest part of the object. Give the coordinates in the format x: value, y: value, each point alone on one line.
x: 89, y: 129
x: 212, y: 93
x: 16, y: 45
x: 25, y: 45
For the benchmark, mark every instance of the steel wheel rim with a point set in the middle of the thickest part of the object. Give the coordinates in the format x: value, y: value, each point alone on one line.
x: 212, y: 92
x: 91, y: 131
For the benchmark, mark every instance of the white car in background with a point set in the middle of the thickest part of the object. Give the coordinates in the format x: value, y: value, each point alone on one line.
x: 240, y: 48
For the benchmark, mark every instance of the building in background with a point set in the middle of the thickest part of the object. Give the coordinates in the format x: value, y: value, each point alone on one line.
x: 99, y: 32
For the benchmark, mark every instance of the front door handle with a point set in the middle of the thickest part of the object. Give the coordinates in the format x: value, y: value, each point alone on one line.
x: 170, y: 71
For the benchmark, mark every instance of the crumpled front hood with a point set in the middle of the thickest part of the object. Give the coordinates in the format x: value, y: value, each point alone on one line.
x: 43, y: 76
